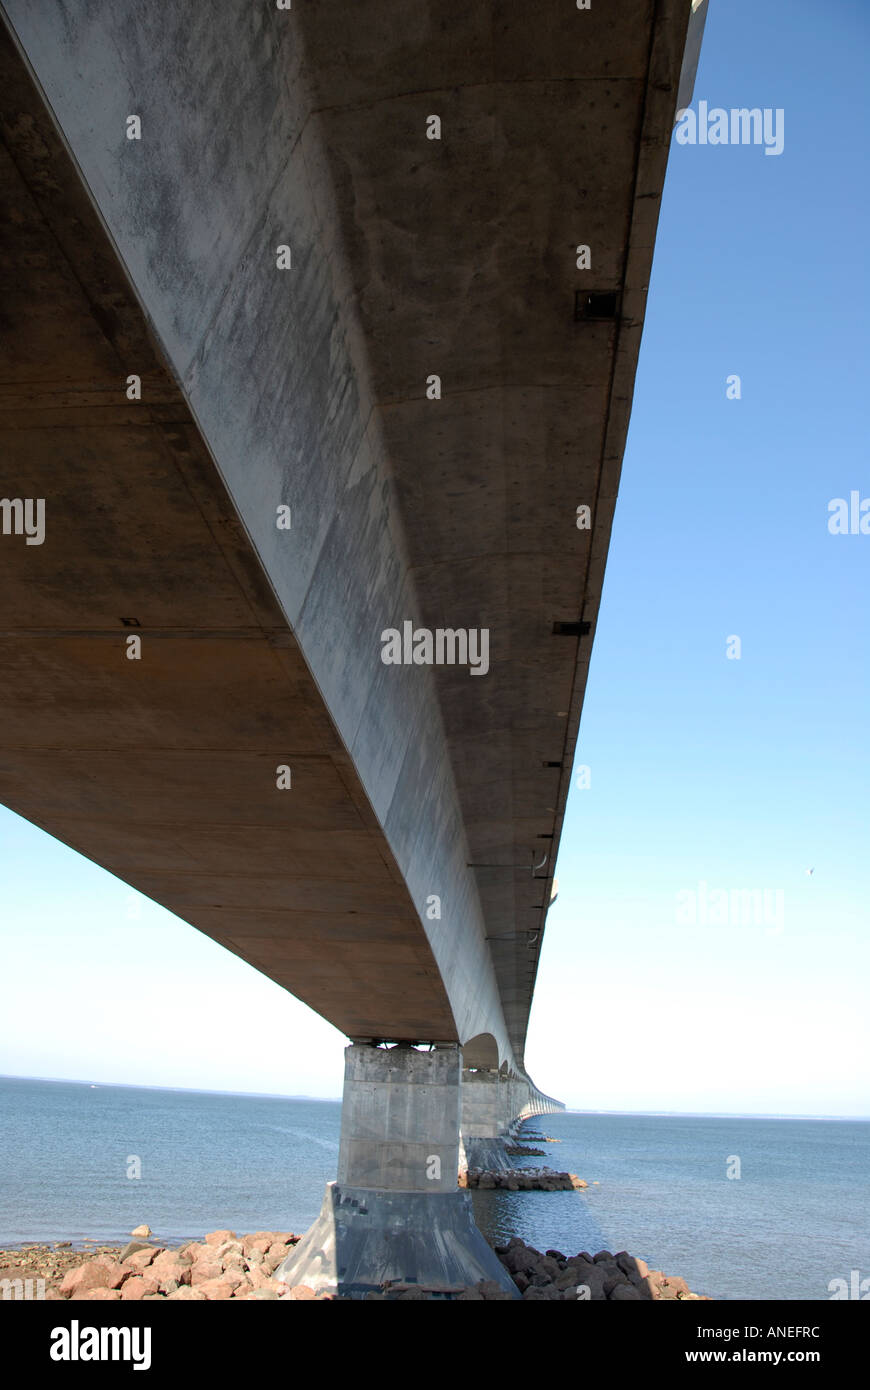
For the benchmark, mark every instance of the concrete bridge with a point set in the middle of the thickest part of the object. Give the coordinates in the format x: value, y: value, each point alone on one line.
x: 319, y: 337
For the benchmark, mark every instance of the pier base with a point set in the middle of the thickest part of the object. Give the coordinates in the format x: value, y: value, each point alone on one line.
x: 395, y: 1215
x: 366, y: 1241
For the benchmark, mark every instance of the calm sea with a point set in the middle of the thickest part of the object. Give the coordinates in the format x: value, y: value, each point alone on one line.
x: 797, y: 1217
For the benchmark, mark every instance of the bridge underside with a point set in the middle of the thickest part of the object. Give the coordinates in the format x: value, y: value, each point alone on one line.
x: 287, y: 295
x: 307, y: 387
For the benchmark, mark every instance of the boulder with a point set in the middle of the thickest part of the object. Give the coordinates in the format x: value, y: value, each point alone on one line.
x: 169, y: 1266
x: 216, y: 1289
x: 137, y: 1286
x: 132, y: 1248
x: 227, y: 1250
x: 99, y: 1273
x: 141, y: 1233
x: 218, y: 1237
x: 594, y: 1279
x: 141, y: 1259
x: 258, y: 1244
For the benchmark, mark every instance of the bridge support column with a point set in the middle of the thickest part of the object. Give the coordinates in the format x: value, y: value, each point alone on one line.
x: 395, y: 1214
x: 483, y: 1122
x: 481, y: 1118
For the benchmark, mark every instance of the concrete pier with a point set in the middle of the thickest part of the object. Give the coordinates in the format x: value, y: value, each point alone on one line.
x: 486, y: 1119
x: 484, y: 1105
x: 395, y: 1214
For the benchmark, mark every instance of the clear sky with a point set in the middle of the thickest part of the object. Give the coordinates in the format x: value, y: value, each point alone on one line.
x: 729, y: 773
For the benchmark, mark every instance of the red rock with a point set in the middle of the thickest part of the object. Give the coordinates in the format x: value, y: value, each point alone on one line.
x: 227, y: 1250
x: 185, y: 1292
x: 117, y: 1273
x: 168, y: 1267
x: 261, y: 1241
x: 141, y: 1259
x: 94, y: 1274
x: 216, y: 1289
x: 205, y: 1271
x: 302, y: 1293
x: 137, y: 1287
x: 218, y: 1237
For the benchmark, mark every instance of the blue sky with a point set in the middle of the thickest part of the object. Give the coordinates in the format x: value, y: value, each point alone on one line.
x: 736, y: 774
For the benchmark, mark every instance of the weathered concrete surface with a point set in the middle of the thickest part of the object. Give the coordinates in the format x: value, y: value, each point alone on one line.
x: 484, y: 1105
x: 307, y: 387
x: 400, y: 1119
x: 164, y: 769
x: 486, y: 1155
x: 364, y: 1240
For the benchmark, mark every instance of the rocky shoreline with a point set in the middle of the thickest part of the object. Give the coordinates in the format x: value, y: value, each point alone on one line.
x: 522, y: 1179
x: 225, y: 1266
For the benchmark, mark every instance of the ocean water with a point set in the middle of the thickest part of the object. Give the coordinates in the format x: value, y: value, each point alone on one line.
x: 797, y: 1217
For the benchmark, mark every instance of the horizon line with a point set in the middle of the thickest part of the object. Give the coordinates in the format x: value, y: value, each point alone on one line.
x: 569, y: 1110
